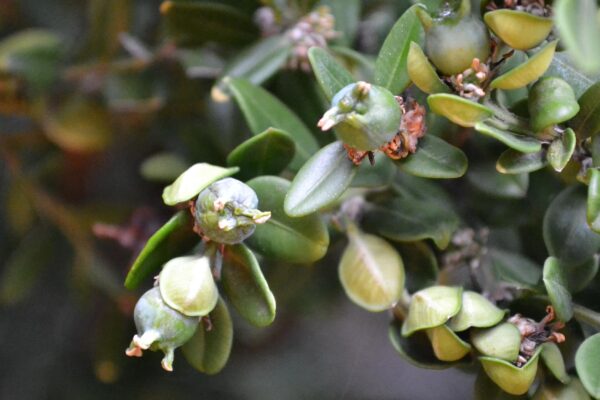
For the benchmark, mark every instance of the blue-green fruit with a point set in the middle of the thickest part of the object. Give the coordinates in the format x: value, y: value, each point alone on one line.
x: 159, y: 327
x: 226, y: 211
x: 365, y: 116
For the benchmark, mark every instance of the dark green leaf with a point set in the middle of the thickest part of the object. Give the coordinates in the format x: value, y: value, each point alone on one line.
x: 514, y: 268
x: 514, y: 162
x: 320, y: 181
x: 263, y: 111
x: 420, y: 264
x: 488, y: 180
x: 267, y: 153
x: 566, y: 232
x: 435, y: 158
x: 296, y: 240
x: 332, y: 77
x: 378, y: 175
x: 409, y: 220
x: 588, y: 368
x: 390, y: 67
x: 246, y: 287
x: 557, y: 391
x: 173, y: 239
x: 556, y: 286
x: 561, y: 150
x: 578, y: 277
x: 194, y: 23
x: 208, y: 350
x: 578, y: 27
x: 562, y: 66
x: 553, y: 359
x: 587, y: 122
x: 524, y: 144
x: 593, y: 200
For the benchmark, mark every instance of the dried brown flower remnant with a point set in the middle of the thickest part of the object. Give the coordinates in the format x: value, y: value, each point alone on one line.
x: 535, y: 333
x: 412, y: 128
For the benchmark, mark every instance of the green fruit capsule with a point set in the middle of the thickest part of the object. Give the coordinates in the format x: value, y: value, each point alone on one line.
x: 453, y: 41
x: 226, y: 211
x: 159, y: 327
x: 551, y: 101
x: 365, y: 116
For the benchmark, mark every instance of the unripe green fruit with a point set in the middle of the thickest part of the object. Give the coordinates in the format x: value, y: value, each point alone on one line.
x: 365, y: 116
x: 453, y: 42
x: 159, y: 327
x: 226, y: 211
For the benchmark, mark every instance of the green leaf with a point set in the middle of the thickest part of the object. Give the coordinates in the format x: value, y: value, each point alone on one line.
x: 296, y: 240
x: 512, y: 379
x: 194, y: 180
x: 593, y: 200
x: 566, y: 232
x: 256, y: 64
x: 563, y: 67
x: 514, y: 268
x: 415, y: 349
x: 267, y: 153
x: 577, y: 23
x: 22, y: 269
x: 390, y: 67
x: 556, y: 286
x: 320, y: 181
x: 420, y: 264
x: 586, y: 363
x: 587, y: 122
x: 524, y: 144
x: 262, y: 111
x: 378, y: 175
x: 371, y: 271
x: 561, y: 150
x: 486, y: 389
x: 408, y: 220
x: 488, y: 180
x: 435, y: 158
x: 332, y: 77
x: 509, y: 26
x: 476, y: 311
x: 208, y: 350
x: 447, y: 346
x: 246, y: 287
x: 578, y: 277
x: 514, y: 162
x: 163, y: 167
x: 500, y: 342
x: 527, y: 72
x: 553, y: 359
x: 195, y: 23
x: 556, y: 390
x: 422, y: 73
x: 463, y: 112
x: 174, y: 238
x: 432, y: 307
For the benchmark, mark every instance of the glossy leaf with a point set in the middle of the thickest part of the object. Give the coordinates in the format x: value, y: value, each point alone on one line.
x: 320, y: 181
x: 267, y: 153
x: 566, y: 232
x: 332, y: 77
x: 192, y: 24
x: 500, y: 342
x: 578, y: 277
x: 588, y: 368
x: 408, y: 220
x: 587, y: 122
x: 578, y: 25
x: 390, y: 67
x: 420, y: 264
x: 524, y: 144
x: 509, y: 26
x: 435, y: 158
x: 296, y: 240
x: 194, y: 180
x: 173, y: 239
x: 563, y: 66
x: 553, y: 360
x: 527, y: 72
x: 461, y: 111
x: 551, y: 101
x: 488, y: 180
x: 208, y: 350
x: 378, y: 175
x: 246, y: 287
x: 422, y: 73
x: 556, y: 286
x: 447, y: 346
x: 371, y: 271
x: 561, y: 150
x: 415, y: 349
x: 593, y: 200
x: 432, y: 307
x: 510, y: 378
x: 255, y: 64
x: 514, y: 162
x: 263, y: 111
x: 514, y: 268
x: 476, y: 311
